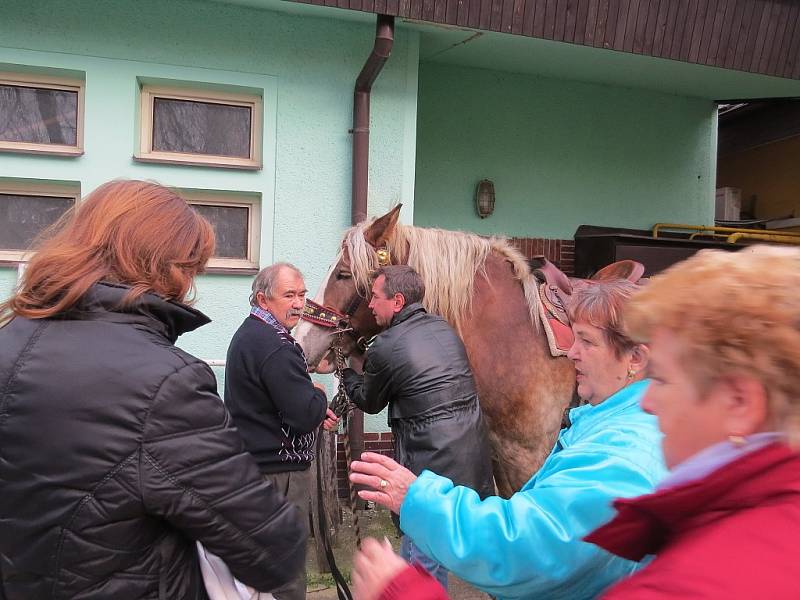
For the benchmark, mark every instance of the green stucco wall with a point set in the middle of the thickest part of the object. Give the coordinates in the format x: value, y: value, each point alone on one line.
x: 306, y: 67
x: 560, y: 153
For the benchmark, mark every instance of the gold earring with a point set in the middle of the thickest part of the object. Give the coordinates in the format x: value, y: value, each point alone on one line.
x: 737, y: 440
x: 631, y: 373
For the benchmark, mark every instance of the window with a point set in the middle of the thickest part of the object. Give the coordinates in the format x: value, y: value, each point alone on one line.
x: 41, y: 114
x: 236, y: 219
x: 26, y: 210
x: 200, y: 127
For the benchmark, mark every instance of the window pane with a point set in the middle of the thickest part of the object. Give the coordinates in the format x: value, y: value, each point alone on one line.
x: 201, y: 128
x: 22, y: 218
x: 38, y: 115
x: 230, y: 228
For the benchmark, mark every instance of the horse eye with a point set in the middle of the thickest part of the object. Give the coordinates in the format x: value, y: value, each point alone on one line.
x: 344, y: 275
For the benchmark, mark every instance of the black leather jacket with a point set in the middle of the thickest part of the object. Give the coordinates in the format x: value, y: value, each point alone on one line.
x: 419, y: 368
x: 116, y: 454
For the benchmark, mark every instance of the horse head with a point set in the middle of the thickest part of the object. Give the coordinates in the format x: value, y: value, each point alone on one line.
x: 346, y: 289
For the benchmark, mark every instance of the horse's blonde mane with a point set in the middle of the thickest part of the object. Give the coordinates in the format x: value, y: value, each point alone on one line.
x: 448, y: 262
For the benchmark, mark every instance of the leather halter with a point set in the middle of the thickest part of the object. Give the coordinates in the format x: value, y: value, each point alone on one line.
x: 332, y: 318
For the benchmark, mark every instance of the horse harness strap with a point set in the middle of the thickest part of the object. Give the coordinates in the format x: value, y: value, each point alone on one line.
x: 333, y: 319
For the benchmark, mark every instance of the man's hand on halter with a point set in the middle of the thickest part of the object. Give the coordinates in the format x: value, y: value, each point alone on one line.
x: 389, y: 480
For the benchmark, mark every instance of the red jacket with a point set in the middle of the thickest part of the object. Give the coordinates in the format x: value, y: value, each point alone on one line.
x: 416, y: 583
x: 733, y: 535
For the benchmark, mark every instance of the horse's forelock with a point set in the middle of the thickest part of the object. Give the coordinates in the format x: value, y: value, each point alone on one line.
x: 447, y: 261
x: 362, y: 256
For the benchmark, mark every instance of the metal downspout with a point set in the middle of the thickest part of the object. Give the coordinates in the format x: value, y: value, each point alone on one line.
x: 384, y: 39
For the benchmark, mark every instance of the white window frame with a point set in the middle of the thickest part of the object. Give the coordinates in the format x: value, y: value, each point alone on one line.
x: 252, y: 202
x: 145, y: 150
x: 49, y: 83
x: 34, y: 188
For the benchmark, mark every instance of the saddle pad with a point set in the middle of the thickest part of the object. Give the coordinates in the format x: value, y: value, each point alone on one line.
x: 559, y: 334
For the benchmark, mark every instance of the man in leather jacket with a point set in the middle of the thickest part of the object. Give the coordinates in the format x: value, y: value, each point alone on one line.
x: 418, y: 367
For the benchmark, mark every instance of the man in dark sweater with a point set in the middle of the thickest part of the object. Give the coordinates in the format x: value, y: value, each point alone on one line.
x: 274, y: 404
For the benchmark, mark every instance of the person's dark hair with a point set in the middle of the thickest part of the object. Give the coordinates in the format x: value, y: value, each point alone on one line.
x: 136, y: 233
x: 402, y: 279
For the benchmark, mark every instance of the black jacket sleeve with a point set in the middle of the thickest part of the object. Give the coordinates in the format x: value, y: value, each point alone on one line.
x: 371, y: 391
x: 285, y: 377
x: 194, y: 472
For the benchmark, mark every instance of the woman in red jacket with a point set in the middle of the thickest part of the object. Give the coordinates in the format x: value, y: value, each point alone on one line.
x: 724, y: 337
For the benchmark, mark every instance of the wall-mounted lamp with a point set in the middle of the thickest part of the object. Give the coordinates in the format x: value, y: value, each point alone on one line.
x: 484, y: 198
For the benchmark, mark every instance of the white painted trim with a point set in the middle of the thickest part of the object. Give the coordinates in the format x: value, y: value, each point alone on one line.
x: 214, y: 362
x: 34, y: 188
x: 252, y: 202
x: 146, y: 153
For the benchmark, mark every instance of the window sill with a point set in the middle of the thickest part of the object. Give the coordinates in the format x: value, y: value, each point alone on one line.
x: 48, y: 149
x: 231, y: 271
x: 199, y: 161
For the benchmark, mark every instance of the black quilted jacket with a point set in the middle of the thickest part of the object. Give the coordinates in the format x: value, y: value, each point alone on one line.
x: 116, y: 454
x: 419, y: 367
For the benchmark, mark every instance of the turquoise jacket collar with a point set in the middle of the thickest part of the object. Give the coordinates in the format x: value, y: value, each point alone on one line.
x: 591, y: 418
x: 616, y: 403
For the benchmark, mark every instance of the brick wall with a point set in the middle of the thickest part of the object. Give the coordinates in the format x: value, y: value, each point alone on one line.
x: 383, y: 443
x: 559, y: 252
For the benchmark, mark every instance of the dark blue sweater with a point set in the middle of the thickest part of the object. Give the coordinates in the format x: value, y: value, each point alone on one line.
x: 269, y: 394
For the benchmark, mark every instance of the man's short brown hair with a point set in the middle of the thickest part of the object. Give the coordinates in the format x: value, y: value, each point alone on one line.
x: 401, y: 279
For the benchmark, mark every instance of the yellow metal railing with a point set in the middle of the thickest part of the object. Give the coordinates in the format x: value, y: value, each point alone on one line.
x: 731, y: 234
x: 766, y: 237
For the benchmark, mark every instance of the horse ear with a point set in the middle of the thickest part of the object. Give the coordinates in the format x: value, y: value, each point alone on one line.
x: 382, y: 228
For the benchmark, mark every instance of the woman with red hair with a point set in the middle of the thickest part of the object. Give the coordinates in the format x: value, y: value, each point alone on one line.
x: 116, y: 454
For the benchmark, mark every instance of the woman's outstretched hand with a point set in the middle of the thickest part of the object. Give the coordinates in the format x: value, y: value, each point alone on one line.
x: 374, y: 566
x: 388, y: 479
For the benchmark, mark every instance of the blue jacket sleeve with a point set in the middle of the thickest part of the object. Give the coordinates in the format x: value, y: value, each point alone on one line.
x: 530, y: 545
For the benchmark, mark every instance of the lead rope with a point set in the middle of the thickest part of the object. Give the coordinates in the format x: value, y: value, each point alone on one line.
x: 342, y: 407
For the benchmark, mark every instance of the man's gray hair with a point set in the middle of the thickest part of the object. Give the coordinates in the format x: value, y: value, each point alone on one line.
x: 404, y: 280
x: 265, y: 280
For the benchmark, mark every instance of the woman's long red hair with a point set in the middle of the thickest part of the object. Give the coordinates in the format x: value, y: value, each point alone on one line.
x: 131, y: 232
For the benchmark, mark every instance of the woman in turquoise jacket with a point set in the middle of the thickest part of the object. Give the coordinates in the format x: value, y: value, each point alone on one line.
x: 531, y: 545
